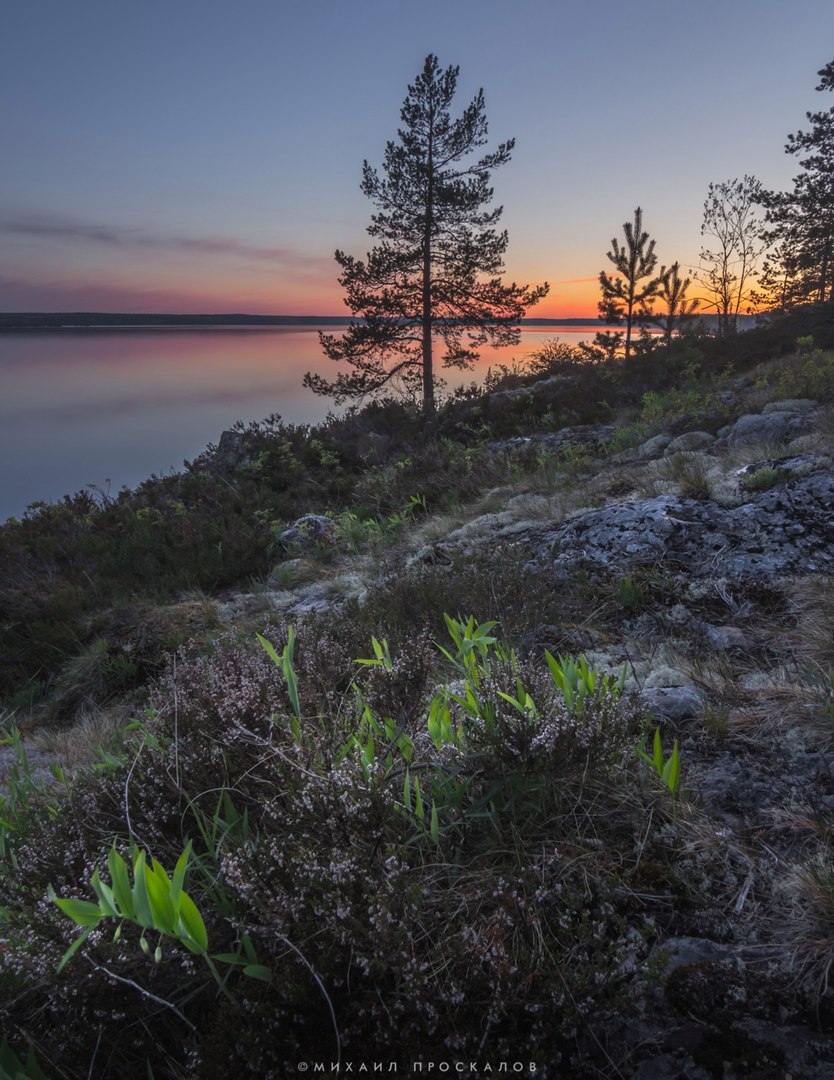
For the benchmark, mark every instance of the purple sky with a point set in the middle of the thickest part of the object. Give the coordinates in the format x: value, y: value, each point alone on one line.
x: 206, y: 156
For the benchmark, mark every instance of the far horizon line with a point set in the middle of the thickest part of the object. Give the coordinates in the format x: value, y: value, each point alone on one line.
x: 10, y: 317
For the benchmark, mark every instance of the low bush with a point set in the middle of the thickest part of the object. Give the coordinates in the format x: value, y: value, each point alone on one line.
x: 358, y: 873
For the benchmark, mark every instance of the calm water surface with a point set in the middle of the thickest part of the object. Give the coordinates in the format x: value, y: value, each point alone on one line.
x: 106, y: 408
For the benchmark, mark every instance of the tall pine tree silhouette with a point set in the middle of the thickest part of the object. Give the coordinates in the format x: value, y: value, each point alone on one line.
x: 436, y: 272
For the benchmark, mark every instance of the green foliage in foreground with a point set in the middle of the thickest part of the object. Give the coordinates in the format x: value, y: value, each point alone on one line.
x: 314, y: 835
x: 12, y: 1068
x: 668, y: 769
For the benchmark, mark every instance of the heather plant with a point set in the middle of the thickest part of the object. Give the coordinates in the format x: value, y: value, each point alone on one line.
x: 340, y: 868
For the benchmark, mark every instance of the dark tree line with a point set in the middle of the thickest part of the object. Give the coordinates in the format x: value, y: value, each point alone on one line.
x: 742, y: 223
x: 435, y: 274
x: 800, y: 265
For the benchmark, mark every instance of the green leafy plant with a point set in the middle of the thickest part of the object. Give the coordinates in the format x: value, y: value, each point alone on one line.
x: 284, y: 662
x: 668, y: 769
x: 764, y: 479
x: 153, y: 901
x: 577, y: 681
x: 13, y: 1068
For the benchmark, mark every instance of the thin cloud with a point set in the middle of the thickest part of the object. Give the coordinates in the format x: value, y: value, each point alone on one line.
x: 49, y: 226
x: 21, y: 294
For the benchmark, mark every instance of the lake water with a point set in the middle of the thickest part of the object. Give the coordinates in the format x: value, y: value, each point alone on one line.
x: 107, y: 408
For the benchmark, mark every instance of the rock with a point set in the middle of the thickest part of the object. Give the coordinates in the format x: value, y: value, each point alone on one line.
x: 664, y: 676
x: 785, y: 530
x: 673, y: 703
x: 800, y: 465
x: 795, y: 405
x: 39, y: 763
x: 232, y: 451
x: 436, y: 554
x: 590, y: 437
x: 652, y: 447
x: 728, y: 637
x: 767, y: 427
x: 308, y: 531
x: 691, y: 440
x: 684, y: 951
x: 739, y: 788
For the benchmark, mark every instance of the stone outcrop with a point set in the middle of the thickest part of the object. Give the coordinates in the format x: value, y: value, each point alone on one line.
x: 308, y: 531
x: 775, y: 426
x: 789, y: 529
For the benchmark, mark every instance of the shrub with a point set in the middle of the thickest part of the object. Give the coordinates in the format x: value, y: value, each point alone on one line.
x: 399, y: 893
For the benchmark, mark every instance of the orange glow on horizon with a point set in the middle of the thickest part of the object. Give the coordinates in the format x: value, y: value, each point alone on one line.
x: 205, y: 293
x: 575, y: 299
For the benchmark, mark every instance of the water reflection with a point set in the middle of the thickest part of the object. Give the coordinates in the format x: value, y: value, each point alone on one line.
x: 106, y: 408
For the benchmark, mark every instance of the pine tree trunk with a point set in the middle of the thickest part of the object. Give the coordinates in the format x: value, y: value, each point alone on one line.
x: 629, y: 322
x: 428, y: 375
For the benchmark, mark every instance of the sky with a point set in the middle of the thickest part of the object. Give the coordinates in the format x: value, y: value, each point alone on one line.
x: 205, y: 156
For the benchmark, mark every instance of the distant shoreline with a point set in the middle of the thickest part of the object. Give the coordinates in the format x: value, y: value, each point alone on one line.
x: 85, y: 320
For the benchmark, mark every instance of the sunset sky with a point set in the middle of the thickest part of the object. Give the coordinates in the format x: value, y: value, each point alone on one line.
x: 203, y: 156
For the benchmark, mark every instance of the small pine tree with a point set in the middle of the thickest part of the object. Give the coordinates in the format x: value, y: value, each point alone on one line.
x: 436, y: 272
x: 679, y: 310
x: 625, y: 301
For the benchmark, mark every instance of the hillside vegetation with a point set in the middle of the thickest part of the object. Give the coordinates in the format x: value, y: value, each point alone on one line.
x: 508, y: 741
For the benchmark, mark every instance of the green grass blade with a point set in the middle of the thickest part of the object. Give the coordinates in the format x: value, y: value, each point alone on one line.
x: 120, y: 883
x: 141, y: 903
x: 179, y: 875
x: 159, y: 898
x: 192, y: 926
x: 270, y: 650
x: 658, y: 752
x: 258, y: 971
x: 106, y: 899
x: 671, y: 771
x: 73, y: 949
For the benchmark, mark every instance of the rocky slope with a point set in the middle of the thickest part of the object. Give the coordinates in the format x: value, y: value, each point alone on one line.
x: 702, y: 565
x: 711, y: 562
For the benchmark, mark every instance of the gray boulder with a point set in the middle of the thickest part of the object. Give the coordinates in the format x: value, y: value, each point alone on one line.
x: 673, y: 703
x: 786, y: 530
x: 308, y: 531
x: 728, y: 637
x: 232, y: 451
x: 654, y: 446
x: 692, y: 440
x: 794, y: 405
x: 768, y: 427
